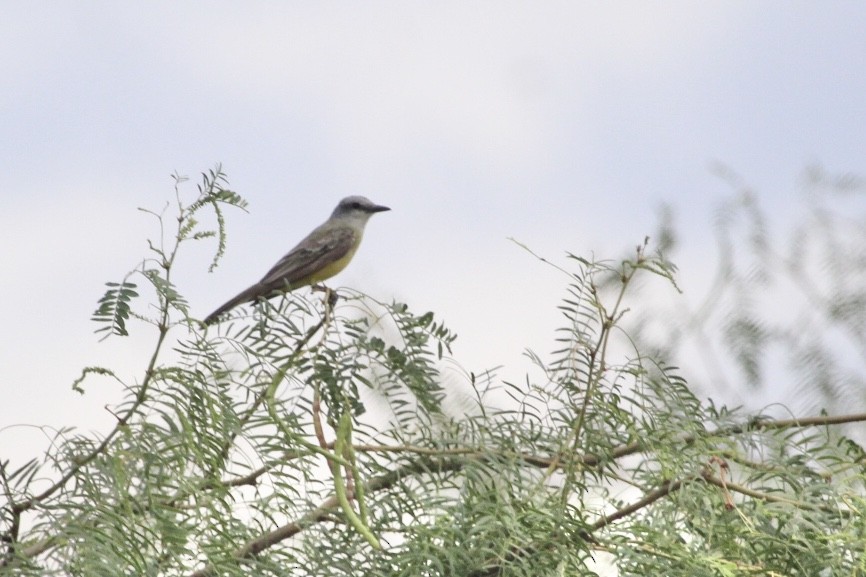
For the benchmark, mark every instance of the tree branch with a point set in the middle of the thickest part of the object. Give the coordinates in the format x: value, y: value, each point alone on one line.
x: 320, y: 513
x: 769, y: 497
x: 663, y: 490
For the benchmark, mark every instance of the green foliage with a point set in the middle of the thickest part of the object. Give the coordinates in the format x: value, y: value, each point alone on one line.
x: 305, y: 436
x: 786, y: 308
x: 113, y: 310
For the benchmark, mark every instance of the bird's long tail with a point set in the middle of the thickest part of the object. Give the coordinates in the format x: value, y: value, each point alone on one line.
x: 252, y: 293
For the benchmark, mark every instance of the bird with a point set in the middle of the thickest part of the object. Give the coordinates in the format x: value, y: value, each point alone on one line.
x: 322, y: 254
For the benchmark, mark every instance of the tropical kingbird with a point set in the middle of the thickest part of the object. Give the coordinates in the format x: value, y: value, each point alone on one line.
x: 325, y: 252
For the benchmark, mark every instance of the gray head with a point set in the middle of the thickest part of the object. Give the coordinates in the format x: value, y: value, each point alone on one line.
x: 357, y: 207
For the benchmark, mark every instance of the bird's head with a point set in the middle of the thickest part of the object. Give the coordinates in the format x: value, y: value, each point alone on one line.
x: 357, y: 207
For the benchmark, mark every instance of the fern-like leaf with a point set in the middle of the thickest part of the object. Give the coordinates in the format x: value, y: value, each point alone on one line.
x: 113, y: 310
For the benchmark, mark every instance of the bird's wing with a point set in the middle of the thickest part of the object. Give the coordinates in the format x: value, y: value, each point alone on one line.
x: 312, y: 254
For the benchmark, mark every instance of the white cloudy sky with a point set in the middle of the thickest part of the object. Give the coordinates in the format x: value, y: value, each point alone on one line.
x: 562, y: 124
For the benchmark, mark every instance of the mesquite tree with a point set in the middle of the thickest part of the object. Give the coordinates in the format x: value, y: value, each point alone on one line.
x: 308, y: 435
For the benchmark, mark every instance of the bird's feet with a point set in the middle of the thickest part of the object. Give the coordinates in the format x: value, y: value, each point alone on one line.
x: 330, y: 295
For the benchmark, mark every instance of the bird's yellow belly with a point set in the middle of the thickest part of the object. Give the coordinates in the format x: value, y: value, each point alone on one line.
x: 331, y: 269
